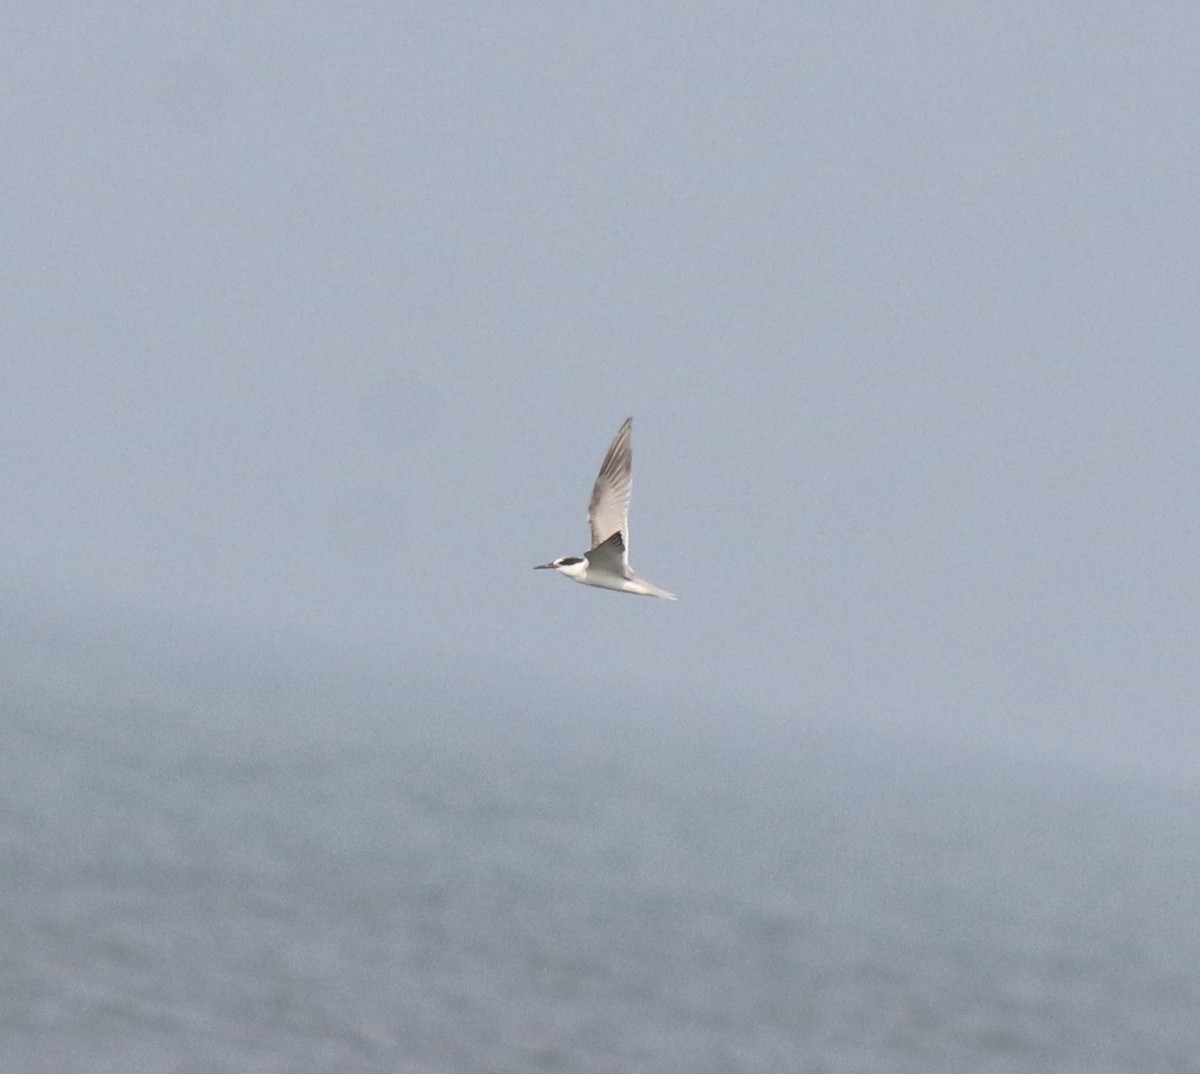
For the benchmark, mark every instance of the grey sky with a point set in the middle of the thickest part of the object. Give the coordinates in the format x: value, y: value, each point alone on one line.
x: 319, y: 319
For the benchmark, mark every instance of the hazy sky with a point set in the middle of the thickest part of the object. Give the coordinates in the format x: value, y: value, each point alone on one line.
x: 318, y: 319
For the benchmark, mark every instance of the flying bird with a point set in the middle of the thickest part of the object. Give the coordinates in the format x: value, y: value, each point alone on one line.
x: 606, y: 563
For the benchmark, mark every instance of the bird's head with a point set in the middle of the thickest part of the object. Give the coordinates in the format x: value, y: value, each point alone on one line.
x: 571, y: 566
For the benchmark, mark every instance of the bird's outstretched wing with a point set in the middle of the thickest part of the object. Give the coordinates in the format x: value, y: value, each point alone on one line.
x: 608, y: 512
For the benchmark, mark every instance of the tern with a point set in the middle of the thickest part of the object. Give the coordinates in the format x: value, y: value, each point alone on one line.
x: 606, y: 563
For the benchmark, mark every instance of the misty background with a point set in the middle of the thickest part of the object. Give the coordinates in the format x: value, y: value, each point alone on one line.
x: 319, y: 322
x: 316, y: 322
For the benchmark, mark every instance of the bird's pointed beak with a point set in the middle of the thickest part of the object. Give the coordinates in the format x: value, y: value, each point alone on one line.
x: 544, y: 567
